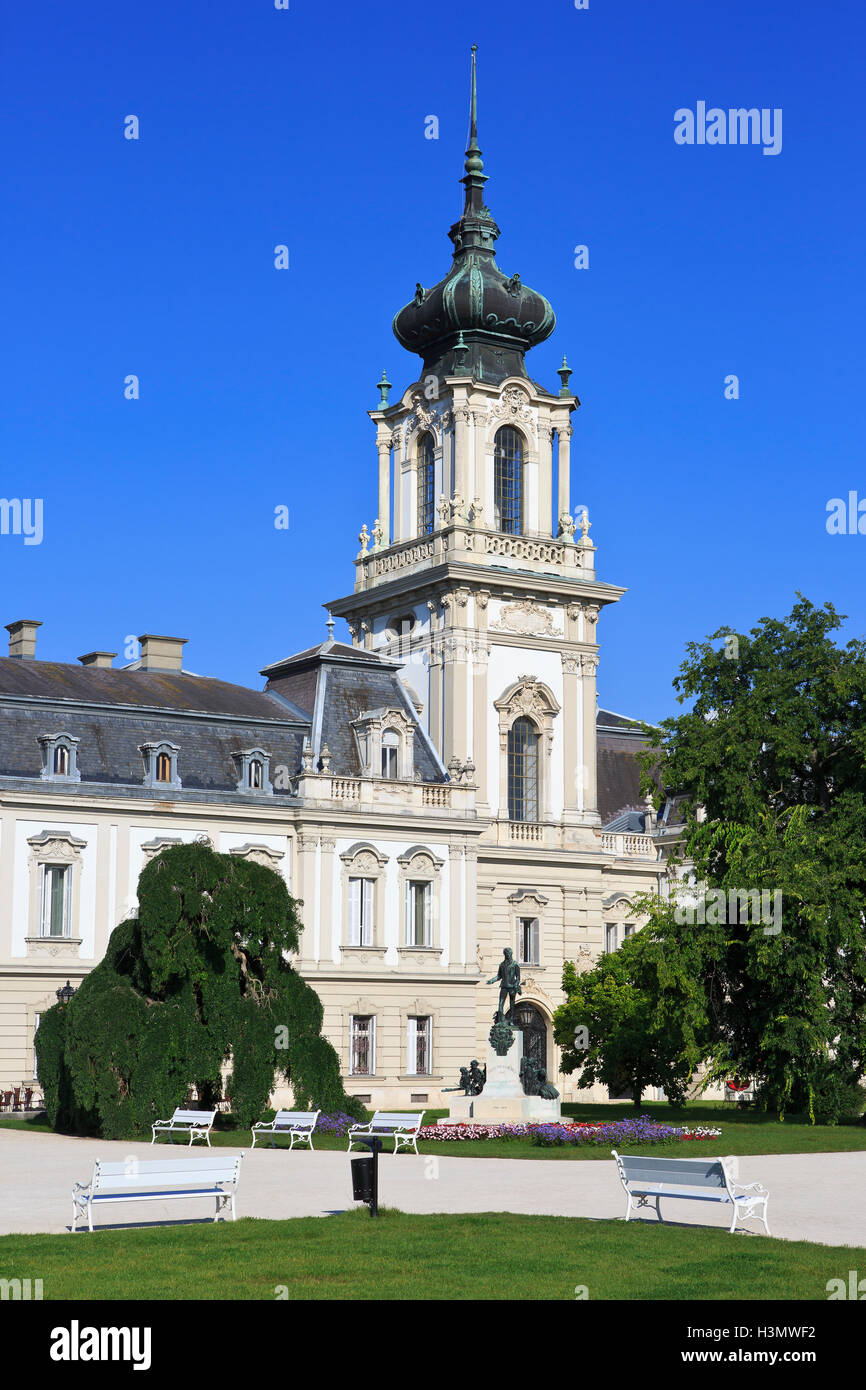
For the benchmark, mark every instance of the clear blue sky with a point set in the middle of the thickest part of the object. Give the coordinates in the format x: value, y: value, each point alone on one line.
x: 306, y: 127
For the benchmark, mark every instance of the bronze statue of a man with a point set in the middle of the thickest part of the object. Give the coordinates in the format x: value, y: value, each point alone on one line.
x: 508, y: 976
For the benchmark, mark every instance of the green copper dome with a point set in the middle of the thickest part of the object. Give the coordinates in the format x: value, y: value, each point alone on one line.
x: 498, y: 316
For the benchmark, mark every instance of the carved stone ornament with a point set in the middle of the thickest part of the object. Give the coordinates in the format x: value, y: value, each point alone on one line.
x: 526, y: 617
x: 513, y: 405
x: 258, y: 854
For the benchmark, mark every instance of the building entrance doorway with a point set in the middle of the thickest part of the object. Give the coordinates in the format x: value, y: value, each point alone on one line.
x: 531, y: 1023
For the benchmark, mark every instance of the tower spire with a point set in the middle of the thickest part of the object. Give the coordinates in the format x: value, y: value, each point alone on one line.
x: 474, y: 179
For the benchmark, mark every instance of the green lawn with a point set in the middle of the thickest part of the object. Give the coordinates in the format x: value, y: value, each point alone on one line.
x: 351, y: 1256
x: 743, y: 1132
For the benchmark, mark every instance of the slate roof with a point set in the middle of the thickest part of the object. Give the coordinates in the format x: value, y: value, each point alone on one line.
x: 175, y: 690
x: 315, y: 694
x: 619, y: 794
x: 112, y: 712
x: 340, y: 683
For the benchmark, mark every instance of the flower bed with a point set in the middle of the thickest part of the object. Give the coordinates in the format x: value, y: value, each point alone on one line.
x: 643, y: 1130
x: 338, y: 1123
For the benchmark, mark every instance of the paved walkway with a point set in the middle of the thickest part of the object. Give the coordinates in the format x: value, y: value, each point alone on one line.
x: 817, y: 1197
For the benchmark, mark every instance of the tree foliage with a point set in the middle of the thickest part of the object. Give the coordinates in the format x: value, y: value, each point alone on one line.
x: 199, y: 977
x: 641, y: 1017
x: 771, y: 760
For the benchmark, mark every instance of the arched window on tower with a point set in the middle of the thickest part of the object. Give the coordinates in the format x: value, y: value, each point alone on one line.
x: 425, y: 469
x: 523, y: 770
x: 508, y: 481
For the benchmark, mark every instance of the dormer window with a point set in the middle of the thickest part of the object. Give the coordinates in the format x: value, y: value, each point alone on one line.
x: 59, y: 758
x: 390, y: 749
x: 254, y: 772
x: 160, y: 765
x: 386, y: 744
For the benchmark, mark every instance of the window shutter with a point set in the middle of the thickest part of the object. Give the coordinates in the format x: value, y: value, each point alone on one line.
x: 354, y: 912
x: 412, y: 1048
x: 366, y: 933
x: 373, y: 1045
x: 534, y: 934
x: 408, y: 915
x: 428, y: 903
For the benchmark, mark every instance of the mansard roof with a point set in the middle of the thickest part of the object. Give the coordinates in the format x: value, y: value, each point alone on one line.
x: 338, y: 684
x: 162, y: 690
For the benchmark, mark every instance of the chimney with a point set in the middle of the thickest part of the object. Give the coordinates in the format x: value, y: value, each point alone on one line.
x: 22, y: 638
x: 101, y: 659
x: 161, y: 653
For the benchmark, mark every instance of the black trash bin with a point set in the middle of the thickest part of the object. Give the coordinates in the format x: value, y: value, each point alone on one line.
x: 362, y: 1179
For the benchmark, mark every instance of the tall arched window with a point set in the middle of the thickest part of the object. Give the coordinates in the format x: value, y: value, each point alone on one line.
x: 61, y: 760
x: 508, y: 481
x: 523, y: 770
x: 424, y: 465
x: 163, y: 767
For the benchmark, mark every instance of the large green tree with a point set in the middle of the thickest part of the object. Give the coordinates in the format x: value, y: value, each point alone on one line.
x: 636, y: 1020
x: 198, y: 977
x: 771, y: 761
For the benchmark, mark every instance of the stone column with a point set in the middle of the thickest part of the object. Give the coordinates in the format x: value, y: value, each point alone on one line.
x: 588, y: 671
x: 383, y: 444
x: 456, y: 903
x: 434, y: 689
x: 329, y: 934
x: 545, y: 476
x: 480, y: 713
x: 563, y: 503
x: 304, y: 888
x: 462, y: 416
x: 573, y: 777
x: 397, y: 440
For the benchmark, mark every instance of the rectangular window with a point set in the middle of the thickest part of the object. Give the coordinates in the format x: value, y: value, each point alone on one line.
x: 362, y: 1045
x: 630, y: 928
x: 56, y: 895
x: 418, y: 900
x: 418, y: 1048
x: 361, y: 911
x: 611, y: 936
x: 528, y: 944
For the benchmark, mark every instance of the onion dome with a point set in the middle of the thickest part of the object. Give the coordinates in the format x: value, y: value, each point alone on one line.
x: 478, y: 321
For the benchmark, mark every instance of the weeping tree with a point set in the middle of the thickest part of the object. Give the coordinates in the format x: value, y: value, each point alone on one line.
x: 198, y: 978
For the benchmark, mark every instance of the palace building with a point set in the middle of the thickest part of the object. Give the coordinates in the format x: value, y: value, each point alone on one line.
x: 440, y: 787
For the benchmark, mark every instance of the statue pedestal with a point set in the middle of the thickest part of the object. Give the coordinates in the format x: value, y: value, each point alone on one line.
x: 503, y: 1100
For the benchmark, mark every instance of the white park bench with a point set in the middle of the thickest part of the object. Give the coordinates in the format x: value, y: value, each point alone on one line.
x: 159, y: 1180
x: 196, y: 1123
x: 299, y: 1124
x: 401, y: 1126
x: 695, y: 1179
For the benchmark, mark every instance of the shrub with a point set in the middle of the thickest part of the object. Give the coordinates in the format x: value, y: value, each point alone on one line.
x: 200, y: 976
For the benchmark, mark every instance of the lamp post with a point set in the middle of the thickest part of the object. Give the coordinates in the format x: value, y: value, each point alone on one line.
x: 65, y: 994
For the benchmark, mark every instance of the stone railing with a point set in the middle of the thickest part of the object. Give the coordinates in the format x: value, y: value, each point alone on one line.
x: 628, y: 846
x: 385, y: 794
x: 460, y: 540
x: 526, y: 830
